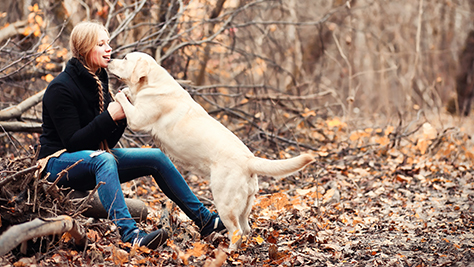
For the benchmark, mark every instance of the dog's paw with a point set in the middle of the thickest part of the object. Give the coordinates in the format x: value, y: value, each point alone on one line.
x: 120, y: 96
x: 126, y: 91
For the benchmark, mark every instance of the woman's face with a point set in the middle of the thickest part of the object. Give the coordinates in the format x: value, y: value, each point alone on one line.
x: 99, y: 57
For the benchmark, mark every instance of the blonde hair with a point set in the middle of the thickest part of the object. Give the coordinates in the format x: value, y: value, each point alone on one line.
x: 83, y: 39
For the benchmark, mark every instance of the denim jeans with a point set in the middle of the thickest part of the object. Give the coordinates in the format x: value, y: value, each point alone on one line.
x: 128, y: 164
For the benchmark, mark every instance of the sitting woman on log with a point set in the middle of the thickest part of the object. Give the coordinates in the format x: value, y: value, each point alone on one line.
x: 81, y: 121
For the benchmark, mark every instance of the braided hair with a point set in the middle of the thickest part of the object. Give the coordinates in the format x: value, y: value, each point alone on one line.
x: 83, y: 40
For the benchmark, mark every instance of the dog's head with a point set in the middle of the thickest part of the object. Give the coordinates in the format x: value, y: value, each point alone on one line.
x: 133, y: 69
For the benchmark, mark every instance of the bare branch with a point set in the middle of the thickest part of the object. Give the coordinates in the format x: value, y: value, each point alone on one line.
x: 19, y: 126
x: 12, y: 30
x: 128, y: 19
x: 41, y: 227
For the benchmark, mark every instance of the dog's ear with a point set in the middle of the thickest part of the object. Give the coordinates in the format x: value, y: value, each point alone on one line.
x: 141, y: 70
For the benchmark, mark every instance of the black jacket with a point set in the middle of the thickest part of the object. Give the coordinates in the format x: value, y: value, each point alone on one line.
x: 71, y: 117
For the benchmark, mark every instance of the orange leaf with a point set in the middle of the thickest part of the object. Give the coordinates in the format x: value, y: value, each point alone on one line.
x: 235, y: 237
x: 62, y: 53
x: 27, y: 31
x: 422, y: 145
x: 335, y: 123
x: 50, y: 66
x: 198, y: 250
x: 66, y: 237
x: 93, y: 235
x: 31, y: 18
x: 389, y: 130
x: 39, y: 20
x: 48, y: 77
x: 308, y: 113
x: 144, y: 249
x: 119, y: 256
x: 37, y: 31
x: 259, y: 239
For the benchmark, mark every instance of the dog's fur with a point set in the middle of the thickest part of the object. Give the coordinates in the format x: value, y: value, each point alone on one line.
x: 190, y: 137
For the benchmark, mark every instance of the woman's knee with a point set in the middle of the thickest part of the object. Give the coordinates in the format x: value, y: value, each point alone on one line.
x: 164, y: 161
x: 105, y: 159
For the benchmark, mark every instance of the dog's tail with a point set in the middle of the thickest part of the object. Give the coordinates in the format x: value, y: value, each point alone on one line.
x: 279, y: 168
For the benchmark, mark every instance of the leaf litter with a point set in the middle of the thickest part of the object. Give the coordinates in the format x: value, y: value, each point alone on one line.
x: 388, y: 196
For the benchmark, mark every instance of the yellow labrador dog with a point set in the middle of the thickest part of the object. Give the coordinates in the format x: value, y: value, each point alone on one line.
x: 158, y: 105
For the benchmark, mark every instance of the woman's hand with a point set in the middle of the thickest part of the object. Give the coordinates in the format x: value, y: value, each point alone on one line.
x: 115, y: 110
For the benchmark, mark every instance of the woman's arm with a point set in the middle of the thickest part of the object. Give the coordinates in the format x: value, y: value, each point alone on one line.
x: 75, y: 123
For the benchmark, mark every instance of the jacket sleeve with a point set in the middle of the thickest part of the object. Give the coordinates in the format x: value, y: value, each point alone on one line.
x: 76, y: 134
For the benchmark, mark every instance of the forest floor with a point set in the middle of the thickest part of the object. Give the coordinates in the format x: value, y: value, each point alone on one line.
x: 393, y: 195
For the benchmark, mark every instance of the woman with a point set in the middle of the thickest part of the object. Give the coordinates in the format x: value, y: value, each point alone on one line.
x: 81, y: 122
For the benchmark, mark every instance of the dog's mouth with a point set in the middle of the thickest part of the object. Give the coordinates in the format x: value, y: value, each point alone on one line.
x: 116, y: 76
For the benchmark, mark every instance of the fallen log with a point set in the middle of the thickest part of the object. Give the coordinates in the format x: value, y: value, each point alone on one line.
x: 137, y: 208
x: 20, y: 233
x: 15, y: 112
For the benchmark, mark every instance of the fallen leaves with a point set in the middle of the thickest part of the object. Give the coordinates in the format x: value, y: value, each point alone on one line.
x: 374, y: 197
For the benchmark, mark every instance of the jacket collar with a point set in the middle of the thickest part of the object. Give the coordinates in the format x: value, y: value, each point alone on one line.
x: 85, y: 81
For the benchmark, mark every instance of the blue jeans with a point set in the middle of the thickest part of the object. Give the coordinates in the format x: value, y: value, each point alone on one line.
x: 128, y: 164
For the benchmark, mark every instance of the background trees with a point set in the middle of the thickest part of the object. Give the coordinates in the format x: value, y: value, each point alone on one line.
x: 263, y: 67
x: 363, y: 84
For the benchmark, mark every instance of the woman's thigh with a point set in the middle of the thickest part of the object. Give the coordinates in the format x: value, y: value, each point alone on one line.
x: 137, y: 162
x: 128, y: 164
x: 80, y: 176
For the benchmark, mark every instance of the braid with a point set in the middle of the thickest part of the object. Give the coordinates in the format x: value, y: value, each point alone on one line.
x: 100, y: 88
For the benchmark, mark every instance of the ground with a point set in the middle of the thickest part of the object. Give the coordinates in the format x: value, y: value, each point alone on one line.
x: 382, y: 196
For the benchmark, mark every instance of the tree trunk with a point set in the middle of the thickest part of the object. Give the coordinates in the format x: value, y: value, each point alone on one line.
x: 464, y: 79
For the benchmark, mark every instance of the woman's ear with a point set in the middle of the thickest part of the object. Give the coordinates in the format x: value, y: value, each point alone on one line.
x: 140, y: 70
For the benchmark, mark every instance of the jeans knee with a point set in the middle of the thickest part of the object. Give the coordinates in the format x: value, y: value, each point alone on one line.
x: 105, y: 159
x: 162, y: 159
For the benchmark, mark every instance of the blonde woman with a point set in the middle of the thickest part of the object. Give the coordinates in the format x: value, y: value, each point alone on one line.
x: 81, y: 121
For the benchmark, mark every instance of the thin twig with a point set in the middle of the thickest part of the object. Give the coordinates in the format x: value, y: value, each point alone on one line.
x: 14, y: 176
x: 61, y: 174
x: 89, y: 197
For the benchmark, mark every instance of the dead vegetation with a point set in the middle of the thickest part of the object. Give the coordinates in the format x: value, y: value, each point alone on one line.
x: 286, y: 77
x: 390, y: 196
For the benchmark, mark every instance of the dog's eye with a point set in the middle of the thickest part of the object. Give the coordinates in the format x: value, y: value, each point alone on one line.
x: 125, y: 58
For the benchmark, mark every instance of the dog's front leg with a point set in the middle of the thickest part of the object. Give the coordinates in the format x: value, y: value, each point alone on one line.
x: 128, y: 94
x: 136, y: 119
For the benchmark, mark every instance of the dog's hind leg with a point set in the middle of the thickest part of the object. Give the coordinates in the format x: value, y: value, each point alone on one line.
x: 230, y: 197
x: 244, y: 216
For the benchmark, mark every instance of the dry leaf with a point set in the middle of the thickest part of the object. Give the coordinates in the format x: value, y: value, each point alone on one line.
x: 119, y: 256
x: 197, y: 250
